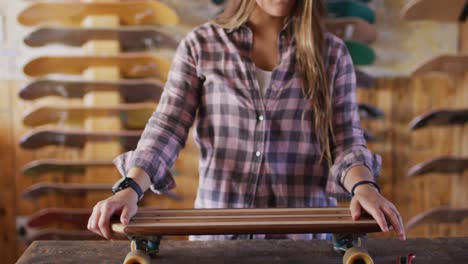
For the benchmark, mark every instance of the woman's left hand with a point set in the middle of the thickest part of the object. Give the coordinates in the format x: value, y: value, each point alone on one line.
x: 369, y: 199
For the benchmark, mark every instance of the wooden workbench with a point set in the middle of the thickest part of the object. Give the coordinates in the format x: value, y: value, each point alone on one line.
x: 441, y: 250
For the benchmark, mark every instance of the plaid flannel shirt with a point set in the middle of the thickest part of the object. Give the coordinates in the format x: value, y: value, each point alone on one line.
x: 255, y: 150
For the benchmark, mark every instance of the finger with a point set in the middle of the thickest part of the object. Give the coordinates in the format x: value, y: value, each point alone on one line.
x: 402, y: 235
x: 127, y: 213
x: 104, y: 220
x: 379, y: 217
x: 355, y: 209
x: 94, y: 222
x: 394, y: 221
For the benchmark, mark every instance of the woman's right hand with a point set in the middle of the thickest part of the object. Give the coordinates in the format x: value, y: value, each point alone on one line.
x: 123, y: 203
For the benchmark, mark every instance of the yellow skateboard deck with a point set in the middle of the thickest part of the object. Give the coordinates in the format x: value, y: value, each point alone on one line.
x: 138, y: 12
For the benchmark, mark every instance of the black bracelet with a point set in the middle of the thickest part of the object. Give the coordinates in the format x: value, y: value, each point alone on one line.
x: 365, y: 182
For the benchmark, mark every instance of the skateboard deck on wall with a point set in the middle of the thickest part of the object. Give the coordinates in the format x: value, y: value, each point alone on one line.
x: 369, y: 136
x: 370, y: 111
x: 130, y: 39
x: 441, y: 117
x: 444, y: 11
x: 40, y: 137
x: 131, y: 65
x: 364, y: 80
x: 78, y: 217
x: 349, y: 8
x: 445, y: 64
x: 131, y: 90
x: 148, y: 226
x: 73, y: 13
x: 361, y: 54
x: 40, y: 189
x: 38, y: 167
x: 133, y: 116
x: 445, y: 164
x: 353, y: 28
x: 439, y: 215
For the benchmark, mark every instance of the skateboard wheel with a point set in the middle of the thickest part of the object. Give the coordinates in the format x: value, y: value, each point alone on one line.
x: 357, y: 255
x: 137, y: 257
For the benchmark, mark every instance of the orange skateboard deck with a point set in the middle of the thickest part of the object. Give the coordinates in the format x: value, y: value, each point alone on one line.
x: 73, y: 13
x: 446, y: 164
x: 441, y: 117
x: 444, y: 11
x: 134, y: 116
x: 130, y: 39
x: 439, y: 215
x: 352, y: 28
x: 131, y: 90
x: 37, y: 138
x: 131, y: 65
x: 148, y: 226
x: 445, y: 63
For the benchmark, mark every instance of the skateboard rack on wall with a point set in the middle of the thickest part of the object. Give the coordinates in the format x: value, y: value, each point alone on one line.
x: 453, y: 66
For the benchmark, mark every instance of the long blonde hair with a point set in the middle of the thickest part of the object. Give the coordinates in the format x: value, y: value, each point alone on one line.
x: 309, y: 36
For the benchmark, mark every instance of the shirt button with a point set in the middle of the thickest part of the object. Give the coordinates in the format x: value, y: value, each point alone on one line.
x: 260, y: 117
x: 258, y: 153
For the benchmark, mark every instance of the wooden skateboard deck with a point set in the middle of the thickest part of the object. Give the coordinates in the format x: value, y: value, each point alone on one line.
x: 38, y: 167
x: 445, y: 63
x: 131, y: 65
x: 37, y: 138
x: 353, y: 28
x: 370, y: 111
x: 134, y: 116
x: 441, y: 117
x: 131, y: 90
x: 369, y: 136
x: 361, y: 54
x: 147, y: 226
x: 439, y: 215
x: 444, y: 11
x: 130, y: 39
x: 349, y: 8
x: 39, y: 189
x: 73, y: 13
x: 446, y: 164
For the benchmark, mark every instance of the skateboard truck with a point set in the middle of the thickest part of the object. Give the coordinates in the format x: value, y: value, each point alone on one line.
x: 350, y: 246
x: 143, y: 249
x: 406, y: 259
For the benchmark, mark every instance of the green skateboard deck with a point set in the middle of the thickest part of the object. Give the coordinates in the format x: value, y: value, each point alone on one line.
x: 361, y: 54
x: 349, y: 8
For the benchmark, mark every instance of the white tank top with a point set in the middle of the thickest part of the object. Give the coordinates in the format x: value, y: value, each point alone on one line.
x: 264, y: 79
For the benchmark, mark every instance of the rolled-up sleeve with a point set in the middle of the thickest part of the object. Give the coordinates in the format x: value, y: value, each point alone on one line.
x: 166, y: 132
x: 349, y: 148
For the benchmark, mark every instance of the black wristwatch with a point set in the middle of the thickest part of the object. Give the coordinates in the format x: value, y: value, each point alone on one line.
x: 124, y: 183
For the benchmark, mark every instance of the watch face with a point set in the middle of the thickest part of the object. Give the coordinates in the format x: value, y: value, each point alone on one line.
x: 118, y: 185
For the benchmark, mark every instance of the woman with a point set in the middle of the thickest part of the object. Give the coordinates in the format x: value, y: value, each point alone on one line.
x: 274, y: 105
